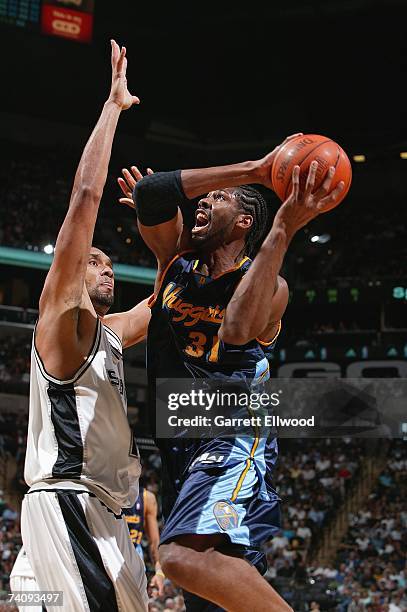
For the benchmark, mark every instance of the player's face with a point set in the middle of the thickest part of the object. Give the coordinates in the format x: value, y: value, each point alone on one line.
x: 219, y: 219
x: 99, y: 279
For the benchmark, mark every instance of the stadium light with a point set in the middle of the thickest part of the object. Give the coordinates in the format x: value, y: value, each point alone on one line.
x: 359, y: 158
x: 48, y: 249
x: 403, y: 155
x: 324, y: 238
x: 321, y: 239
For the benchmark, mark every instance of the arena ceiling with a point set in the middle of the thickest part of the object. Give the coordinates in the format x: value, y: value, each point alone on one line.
x: 215, y: 77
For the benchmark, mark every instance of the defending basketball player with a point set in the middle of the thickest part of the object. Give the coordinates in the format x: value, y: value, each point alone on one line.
x: 212, y: 560
x: 82, y: 465
x: 142, y: 519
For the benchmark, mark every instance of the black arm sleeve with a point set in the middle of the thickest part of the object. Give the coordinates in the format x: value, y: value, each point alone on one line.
x: 158, y: 196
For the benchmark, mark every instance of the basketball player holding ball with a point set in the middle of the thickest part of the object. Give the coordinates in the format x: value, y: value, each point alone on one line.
x: 82, y: 464
x: 219, y: 512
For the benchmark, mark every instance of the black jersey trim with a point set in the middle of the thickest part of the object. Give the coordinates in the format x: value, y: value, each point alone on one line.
x: 82, y: 369
x: 153, y: 298
x: 76, y: 492
x: 110, y: 331
x: 98, y: 586
x: 228, y: 271
x: 273, y: 340
x: 64, y: 417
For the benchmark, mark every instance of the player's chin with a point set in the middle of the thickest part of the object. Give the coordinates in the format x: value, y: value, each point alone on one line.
x: 106, y: 289
x: 200, y: 234
x: 105, y: 299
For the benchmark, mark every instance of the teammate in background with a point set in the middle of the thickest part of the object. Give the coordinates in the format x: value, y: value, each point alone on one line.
x: 142, y: 517
x: 216, y: 314
x: 82, y: 464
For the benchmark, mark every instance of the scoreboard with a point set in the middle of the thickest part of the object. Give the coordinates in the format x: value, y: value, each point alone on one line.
x: 72, y: 19
x: 24, y: 14
x: 389, y: 292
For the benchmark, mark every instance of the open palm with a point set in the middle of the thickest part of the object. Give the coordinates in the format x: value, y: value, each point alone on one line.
x: 118, y: 91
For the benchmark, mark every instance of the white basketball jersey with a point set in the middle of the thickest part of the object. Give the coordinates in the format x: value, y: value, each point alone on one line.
x: 78, y: 433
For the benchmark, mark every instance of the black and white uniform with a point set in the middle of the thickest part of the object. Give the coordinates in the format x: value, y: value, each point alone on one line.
x: 82, y: 467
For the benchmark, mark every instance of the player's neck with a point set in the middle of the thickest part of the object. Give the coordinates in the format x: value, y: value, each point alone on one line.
x: 221, y: 260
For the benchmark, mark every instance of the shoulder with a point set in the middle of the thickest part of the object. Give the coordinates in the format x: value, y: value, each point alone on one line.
x: 149, y: 499
x: 113, y: 326
x: 182, y: 262
x: 149, y: 495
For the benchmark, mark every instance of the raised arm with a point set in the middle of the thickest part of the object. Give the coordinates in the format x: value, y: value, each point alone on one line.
x: 153, y: 536
x: 261, y: 297
x: 164, y: 200
x: 67, y: 319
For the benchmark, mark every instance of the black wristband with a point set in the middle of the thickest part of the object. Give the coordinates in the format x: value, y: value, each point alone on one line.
x: 157, y: 197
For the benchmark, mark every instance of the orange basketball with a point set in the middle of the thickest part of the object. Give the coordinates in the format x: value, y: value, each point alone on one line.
x: 301, y: 151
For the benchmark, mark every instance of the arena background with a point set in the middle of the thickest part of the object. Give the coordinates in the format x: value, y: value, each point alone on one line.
x: 219, y: 85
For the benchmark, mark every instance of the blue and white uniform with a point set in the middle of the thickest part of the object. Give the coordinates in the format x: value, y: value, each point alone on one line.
x: 219, y: 485
x: 135, y: 520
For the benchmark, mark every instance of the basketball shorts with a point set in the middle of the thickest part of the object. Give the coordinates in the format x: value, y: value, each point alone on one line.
x: 229, y: 500
x: 225, y: 500
x: 73, y: 543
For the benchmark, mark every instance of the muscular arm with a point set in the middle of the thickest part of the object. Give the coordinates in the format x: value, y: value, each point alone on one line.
x: 151, y: 525
x: 261, y: 297
x: 64, y: 282
x: 131, y: 326
x: 66, y: 317
x: 162, y: 201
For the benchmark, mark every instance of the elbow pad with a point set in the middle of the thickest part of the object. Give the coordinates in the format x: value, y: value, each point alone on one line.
x: 158, y: 196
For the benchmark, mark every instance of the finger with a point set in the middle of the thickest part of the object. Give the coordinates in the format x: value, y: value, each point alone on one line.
x: 292, y: 136
x: 327, y: 202
x: 115, y: 52
x: 120, y: 62
x: 128, y: 202
x: 312, y: 172
x: 135, y: 99
x: 326, y: 185
x: 136, y: 173
x: 149, y: 171
x: 295, y: 183
x: 124, y: 187
x: 129, y: 178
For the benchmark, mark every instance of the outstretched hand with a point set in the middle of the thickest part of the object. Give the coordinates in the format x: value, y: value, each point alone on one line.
x: 128, y: 183
x: 302, y: 206
x: 157, y: 581
x: 265, y: 164
x: 119, y: 94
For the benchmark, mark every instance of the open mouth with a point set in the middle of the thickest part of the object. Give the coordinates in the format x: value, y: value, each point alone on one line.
x: 201, y: 220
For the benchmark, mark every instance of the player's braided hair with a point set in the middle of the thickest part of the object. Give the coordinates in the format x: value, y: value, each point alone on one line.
x: 254, y: 204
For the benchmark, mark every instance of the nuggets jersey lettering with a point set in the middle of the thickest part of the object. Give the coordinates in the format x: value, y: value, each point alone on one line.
x: 183, y: 342
x: 135, y: 519
x: 78, y: 432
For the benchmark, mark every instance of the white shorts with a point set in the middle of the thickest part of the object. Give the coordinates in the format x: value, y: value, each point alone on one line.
x: 73, y: 543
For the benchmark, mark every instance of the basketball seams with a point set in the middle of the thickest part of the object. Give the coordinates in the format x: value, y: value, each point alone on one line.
x: 289, y: 184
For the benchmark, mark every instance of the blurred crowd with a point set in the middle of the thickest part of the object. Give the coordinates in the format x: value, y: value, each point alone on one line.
x: 312, y: 477
x: 370, y: 573
x: 10, y: 541
x: 35, y: 189
x: 15, y: 358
